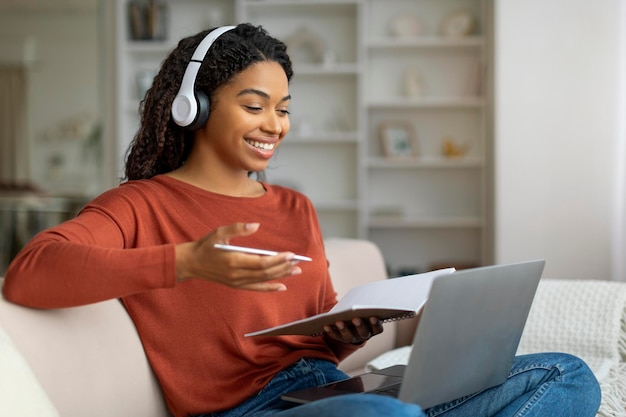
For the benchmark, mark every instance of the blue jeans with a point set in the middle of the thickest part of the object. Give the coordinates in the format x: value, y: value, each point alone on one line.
x: 546, y: 384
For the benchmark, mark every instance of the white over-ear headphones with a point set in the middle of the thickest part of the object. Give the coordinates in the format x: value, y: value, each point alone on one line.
x: 190, y: 108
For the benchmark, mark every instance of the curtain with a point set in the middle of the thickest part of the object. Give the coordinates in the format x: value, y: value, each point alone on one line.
x: 14, y: 146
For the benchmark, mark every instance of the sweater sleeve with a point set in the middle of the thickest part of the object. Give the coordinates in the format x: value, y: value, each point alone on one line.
x: 86, y: 260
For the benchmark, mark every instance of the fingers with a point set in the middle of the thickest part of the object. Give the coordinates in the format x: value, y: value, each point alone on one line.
x: 265, y: 287
x: 223, y: 234
x: 356, y: 331
x: 245, y: 270
x: 200, y: 259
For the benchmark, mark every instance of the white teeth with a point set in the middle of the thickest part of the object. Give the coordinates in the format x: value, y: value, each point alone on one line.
x: 261, y: 145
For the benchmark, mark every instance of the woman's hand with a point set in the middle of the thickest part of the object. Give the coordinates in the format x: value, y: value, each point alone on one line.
x: 355, y: 331
x: 200, y: 259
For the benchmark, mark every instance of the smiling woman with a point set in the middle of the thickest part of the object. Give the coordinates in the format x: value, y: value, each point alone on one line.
x: 151, y: 242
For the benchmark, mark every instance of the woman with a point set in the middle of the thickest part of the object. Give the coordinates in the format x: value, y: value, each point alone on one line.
x: 150, y: 242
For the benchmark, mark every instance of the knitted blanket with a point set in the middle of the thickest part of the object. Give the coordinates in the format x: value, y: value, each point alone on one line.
x: 584, y: 318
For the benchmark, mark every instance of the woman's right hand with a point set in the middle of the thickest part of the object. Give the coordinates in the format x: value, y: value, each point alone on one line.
x: 201, y: 260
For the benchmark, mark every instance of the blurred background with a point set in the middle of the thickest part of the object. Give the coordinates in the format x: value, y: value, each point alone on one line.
x: 450, y: 132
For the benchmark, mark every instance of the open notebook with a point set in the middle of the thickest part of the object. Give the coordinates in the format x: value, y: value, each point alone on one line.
x: 387, y: 299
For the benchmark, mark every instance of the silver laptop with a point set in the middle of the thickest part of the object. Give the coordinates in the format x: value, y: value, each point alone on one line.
x: 465, y: 342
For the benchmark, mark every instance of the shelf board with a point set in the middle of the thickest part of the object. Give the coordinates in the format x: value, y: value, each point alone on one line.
x: 426, y: 42
x: 401, y: 222
x: 427, y: 102
x: 425, y: 162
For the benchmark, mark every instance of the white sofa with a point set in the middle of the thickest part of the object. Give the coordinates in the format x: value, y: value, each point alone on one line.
x: 88, y: 361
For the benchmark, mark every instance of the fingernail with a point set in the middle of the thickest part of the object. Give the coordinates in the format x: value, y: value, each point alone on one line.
x: 296, y: 271
x: 252, y: 226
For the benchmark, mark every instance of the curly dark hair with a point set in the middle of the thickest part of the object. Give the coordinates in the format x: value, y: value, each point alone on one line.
x: 160, y: 145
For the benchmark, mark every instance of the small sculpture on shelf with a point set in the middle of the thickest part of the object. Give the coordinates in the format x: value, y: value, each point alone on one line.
x: 453, y: 149
x: 458, y: 24
x: 414, y: 83
x: 307, y: 47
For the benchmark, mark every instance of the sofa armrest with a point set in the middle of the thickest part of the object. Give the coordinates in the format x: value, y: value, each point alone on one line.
x: 89, y: 360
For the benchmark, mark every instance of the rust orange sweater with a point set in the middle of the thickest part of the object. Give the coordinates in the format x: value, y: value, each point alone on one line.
x: 121, y: 245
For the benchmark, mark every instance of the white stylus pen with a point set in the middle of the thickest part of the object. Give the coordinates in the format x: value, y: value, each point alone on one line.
x: 256, y: 251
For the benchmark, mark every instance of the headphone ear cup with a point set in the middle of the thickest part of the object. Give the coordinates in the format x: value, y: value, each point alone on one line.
x: 202, y: 114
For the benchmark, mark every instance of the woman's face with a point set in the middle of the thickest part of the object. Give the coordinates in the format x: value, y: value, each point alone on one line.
x: 249, y: 117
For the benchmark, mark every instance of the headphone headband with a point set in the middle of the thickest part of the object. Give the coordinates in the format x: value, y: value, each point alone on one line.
x: 187, y: 106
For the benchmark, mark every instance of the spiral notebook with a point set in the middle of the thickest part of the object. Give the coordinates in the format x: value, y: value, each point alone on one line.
x: 388, y: 299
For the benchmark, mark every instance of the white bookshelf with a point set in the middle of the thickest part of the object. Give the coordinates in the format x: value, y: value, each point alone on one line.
x: 422, y: 211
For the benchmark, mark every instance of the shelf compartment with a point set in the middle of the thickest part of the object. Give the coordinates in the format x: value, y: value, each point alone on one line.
x: 317, y: 105
x: 332, y: 23
x: 408, y: 249
x: 438, y: 72
x: 323, y: 173
x: 428, y: 193
x: 430, y: 14
x: 433, y: 127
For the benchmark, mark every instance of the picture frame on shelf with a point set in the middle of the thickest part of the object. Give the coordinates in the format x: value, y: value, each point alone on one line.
x: 398, y: 139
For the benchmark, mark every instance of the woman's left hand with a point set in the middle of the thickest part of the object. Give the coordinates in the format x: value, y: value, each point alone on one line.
x: 355, y: 331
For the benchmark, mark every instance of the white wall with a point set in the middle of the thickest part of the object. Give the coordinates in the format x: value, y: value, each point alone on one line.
x: 557, y: 133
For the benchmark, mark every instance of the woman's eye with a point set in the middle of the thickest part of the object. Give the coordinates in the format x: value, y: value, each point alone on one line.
x: 284, y: 112
x: 253, y: 108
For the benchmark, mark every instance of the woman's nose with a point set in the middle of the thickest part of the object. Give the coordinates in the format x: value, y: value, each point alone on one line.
x: 273, y: 123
